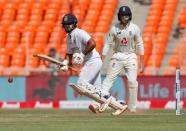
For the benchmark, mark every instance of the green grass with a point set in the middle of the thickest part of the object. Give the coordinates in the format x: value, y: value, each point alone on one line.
x: 84, y: 120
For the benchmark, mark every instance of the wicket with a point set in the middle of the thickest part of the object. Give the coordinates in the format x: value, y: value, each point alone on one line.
x: 178, y: 92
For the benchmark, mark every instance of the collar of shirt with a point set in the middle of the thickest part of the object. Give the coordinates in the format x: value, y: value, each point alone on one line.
x: 72, y: 31
x: 125, y: 27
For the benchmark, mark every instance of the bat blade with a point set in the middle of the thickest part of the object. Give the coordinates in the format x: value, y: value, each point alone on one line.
x: 47, y: 58
x: 52, y: 60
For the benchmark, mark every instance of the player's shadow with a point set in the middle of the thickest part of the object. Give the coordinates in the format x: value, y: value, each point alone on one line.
x: 47, y: 93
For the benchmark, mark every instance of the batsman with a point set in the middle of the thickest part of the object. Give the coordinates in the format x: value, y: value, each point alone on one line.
x: 125, y: 38
x: 81, y: 50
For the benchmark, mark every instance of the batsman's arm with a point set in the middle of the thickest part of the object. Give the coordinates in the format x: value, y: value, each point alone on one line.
x: 91, y: 44
x: 68, y: 57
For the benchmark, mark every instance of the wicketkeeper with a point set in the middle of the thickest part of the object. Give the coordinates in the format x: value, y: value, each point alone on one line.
x: 126, y: 38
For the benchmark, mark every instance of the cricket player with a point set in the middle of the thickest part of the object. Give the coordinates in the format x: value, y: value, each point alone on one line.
x: 125, y: 38
x: 81, y: 50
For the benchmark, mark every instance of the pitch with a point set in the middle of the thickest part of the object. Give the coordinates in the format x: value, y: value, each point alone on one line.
x: 84, y: 120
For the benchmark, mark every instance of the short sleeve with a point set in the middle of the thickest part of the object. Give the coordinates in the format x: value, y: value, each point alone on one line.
x: 85, y: 37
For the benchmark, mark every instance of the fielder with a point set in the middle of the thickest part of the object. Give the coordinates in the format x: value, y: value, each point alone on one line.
x: 81, y: 50
x: 126, y: 40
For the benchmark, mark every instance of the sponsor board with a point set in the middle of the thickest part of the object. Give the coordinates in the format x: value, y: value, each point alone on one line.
x: 153, y: 92
x: 146, y: 104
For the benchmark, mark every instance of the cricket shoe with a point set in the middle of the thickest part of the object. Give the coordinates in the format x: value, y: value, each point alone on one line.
x: 120, y: 111
x: 132, y: 110
x: 94, y: 107
x: 105, y: 105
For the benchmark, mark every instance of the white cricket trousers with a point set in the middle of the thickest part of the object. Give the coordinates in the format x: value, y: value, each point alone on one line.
x: 128, y: 62
x: 90, y: 74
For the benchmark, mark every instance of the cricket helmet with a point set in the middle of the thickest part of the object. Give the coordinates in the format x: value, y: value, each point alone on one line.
x: 69, y: 19
x: 124, y: 11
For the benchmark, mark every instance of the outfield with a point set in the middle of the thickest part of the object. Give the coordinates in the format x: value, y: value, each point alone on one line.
x: 83, y: 120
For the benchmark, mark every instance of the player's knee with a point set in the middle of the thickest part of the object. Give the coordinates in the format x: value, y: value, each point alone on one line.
x: 132, y: 84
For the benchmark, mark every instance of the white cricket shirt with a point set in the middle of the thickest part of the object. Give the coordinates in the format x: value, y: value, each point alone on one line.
x: 126, y: 40
x: 77, y: 41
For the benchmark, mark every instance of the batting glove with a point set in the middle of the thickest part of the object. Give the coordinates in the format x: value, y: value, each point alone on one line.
x: 64, y: 65
x: 78, y: 58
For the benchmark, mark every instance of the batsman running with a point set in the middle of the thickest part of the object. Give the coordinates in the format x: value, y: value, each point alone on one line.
x: 81, y: 50
x: 126, y: 40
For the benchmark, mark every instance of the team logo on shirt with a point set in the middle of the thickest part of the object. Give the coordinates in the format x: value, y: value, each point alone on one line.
x: 124, y: 41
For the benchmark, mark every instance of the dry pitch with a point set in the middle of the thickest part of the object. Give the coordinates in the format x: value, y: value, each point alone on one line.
x: 84, y: 120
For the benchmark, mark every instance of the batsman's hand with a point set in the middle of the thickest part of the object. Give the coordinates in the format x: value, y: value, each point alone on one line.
x: 64, y: 65
x: 78, y: 58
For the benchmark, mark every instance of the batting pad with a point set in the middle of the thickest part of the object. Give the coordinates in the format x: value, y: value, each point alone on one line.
x: 113, y: 104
